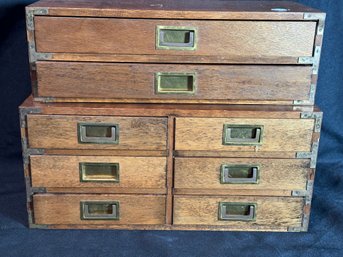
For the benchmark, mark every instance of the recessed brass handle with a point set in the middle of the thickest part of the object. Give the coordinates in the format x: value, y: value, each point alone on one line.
x: 175, y: 83
x: 98, y: 133
x: 176, y: 37
x: 99, y: 210
x: 237, y: 211
x: 242, y: 134
x: 99, y: 172
x: 239, y: 174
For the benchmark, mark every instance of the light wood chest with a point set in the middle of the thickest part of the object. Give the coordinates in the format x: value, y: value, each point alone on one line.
x: 232, y: 52
x: 176, y: 115
x: 171, y: 166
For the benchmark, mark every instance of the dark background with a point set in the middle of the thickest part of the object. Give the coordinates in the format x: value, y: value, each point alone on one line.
x: 325, y: 236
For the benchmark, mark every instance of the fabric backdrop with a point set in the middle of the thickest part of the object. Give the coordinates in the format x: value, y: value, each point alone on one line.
x: 325, y: 236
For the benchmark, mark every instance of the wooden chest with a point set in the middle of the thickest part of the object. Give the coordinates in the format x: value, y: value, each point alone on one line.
x: 172, y: 115
x: 169, y: 166
x: 174, y: 51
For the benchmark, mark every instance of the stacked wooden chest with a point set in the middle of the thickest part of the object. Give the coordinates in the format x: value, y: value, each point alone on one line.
x: 192, y: 115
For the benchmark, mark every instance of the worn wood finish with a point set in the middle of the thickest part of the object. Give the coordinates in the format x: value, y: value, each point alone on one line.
x: 163, y: 110
x: 278, y: 135
x: 101, y: 190
x: 191, y: 9
x: 125, y: 153
x: 64, y: 171
x: 56, y: 132
x: 137, y: 81
x: 241, y: 38
x: 274, y: 174
x: 65, y: 209
x: 168, y: 227
x: 232, y: 154
x: 234, y: 192
x: 270, y: 211
x: 155, y: 101
x: 157, y: 58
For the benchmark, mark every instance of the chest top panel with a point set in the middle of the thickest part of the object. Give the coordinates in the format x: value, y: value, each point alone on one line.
x: 177, y: 9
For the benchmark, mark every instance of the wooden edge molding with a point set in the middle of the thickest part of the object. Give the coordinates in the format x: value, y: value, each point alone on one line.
x: 166, y: 227
x: 170, y: 170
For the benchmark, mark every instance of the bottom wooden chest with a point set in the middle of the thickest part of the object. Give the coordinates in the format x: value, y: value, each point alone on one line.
x: 169, y: 167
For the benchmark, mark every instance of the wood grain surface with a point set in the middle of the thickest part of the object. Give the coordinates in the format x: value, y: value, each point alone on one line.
x: 278, y: 135
x: 137, y: 81
x: 191, y: 9
x: 65, y: 208
x: 63, y: 171
x: 136, y: 133
x: 167, y: 227
x: 270, y: 211
x: 274, y: 174
x: 163, y: 110
x: 258, y: 39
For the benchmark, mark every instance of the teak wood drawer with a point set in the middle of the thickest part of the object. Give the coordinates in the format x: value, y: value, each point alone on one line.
x: 243, y: 134
x: 241, y: 176
x: 99, y: 209
x: 238, y: 212
x: 97, y: 132
x: 160, y: 175
x: 173, y: 51
x: 99, y: 173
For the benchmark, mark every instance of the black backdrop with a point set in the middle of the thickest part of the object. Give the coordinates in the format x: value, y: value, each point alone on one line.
x: 325, y: 236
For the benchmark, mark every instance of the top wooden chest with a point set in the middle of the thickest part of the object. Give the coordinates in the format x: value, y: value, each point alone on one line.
x: 78, y: 47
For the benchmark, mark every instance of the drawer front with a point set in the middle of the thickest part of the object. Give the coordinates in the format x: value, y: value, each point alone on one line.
x: 237, y: 40
x: 191, y: 82
x: 98, y: 209
x: 241, y: 134
x: 244, y: 212
x: 98, y: 171
x: 96, y: 132
x: 241, y: 173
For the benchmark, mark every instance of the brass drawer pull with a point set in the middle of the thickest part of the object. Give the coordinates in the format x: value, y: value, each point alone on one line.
x: 242, y: 134
x: 99, y: 210
x: 99, y: 172
x: 237, y: 211
x: 176, y: 38
x: 98, y: 133
x: 175, y: 83
x: 239, y: 174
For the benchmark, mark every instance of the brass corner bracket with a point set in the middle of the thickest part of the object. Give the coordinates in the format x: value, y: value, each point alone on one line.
x: 310, y: 100
x: 24, y: 112
x: 30, y: 25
